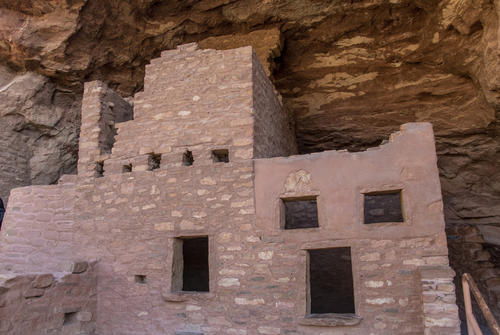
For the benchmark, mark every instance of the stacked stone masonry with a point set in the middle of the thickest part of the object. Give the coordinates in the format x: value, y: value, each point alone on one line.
x: 44, y: 304
x: 129, y: 214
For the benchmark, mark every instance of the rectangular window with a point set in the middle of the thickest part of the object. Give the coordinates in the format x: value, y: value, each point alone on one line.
x: 383, y: 207
x: 220, y: 156
x: 154, y: 161
x: 190, y: 264
x: 300, y: 213
x: 331, y: 288
x: 127, y: 168
x: 99, y: 169
x: 187, y: 158
x: 140, y: 279
x: 70, y: 318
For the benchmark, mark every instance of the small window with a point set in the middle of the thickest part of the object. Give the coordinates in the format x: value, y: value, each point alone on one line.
x: 187, y: 158
x: 190, y: 265
x: 382, y: 207
x: 127, y: 168
x: 220, y: 155
x: 99, y: 169
x: 140, y: 279
x: 70, y: 318
x: 300, y: 213
x: 331, y: 288
x: 154, y: 161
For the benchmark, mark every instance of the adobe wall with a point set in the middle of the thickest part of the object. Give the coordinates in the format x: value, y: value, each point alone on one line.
x: 42, y: 304
x: 388, y: 258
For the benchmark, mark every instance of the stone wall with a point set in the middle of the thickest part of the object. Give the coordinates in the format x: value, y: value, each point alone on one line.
x: 274, y: 130
x: 387, y: 258
x: 103, y: 108
x: 44, y: 304
x: 204, y: 100
x: 40, y: 233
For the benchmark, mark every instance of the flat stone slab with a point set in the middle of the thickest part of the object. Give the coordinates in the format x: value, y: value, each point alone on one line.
x: 330, y: 320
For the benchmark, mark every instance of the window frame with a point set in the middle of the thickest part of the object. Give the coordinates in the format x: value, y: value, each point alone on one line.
x: 169, y: 292
x: 303, y: 298
x: 282, y: 211
x: 385, y: 188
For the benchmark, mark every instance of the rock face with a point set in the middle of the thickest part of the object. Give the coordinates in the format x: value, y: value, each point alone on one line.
x: 351, y: 73
x: 38, y: 130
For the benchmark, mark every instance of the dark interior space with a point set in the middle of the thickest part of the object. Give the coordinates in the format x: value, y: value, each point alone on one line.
x: 220, y: 156
x: 127, y: 168
x: 330, y: 281
x: 99, y: 169
x: 187, y: 158
x: 140, y: 279
x: 301, y: 213
x: 383, y: 207
x: 195, y: 275
x: 154, y: 161
x: 70, y: 318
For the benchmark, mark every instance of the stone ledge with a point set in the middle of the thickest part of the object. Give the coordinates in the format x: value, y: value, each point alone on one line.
x: 185, y: 296
x: 330, y: 320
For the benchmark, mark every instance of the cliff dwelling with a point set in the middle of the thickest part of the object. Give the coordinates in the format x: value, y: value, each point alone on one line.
x: 192, y: 213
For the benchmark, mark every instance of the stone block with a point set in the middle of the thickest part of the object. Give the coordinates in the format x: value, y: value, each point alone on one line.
x: 43, y: 281
x: 33, y: 293
x: 79, y: 267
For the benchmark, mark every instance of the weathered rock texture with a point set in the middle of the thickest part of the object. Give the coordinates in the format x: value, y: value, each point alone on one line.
x: 38, y: 130
x: 42, y: 304
x: 351, y: 72
x: 134, y: 220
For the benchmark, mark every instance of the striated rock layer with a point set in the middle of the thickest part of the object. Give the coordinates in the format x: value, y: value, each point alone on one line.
x: 350, y: 71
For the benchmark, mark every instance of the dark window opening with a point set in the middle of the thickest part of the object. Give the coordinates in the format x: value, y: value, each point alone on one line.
x: 140, y: 279
x: 187, y: 158
x: 383, y: 207
x: 70, y: 318
x: 220, y: 155
x: 190, y: 268
x: 331, y: 287
x: 127, y: 168
x: 300, y: 213
x: 154, y: 161
x: 99, y: 169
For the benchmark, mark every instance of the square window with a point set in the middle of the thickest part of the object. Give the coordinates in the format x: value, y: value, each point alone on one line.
x: 187, y: 158
x: 127, y: 168
x: 140, y: 279
x: 300, y: 213
x: 331, y: 288
x: 383, y: 207
x: 190, y: 265
x: 220, y: 155
x: 70, y: 318
x: 154, y: 161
